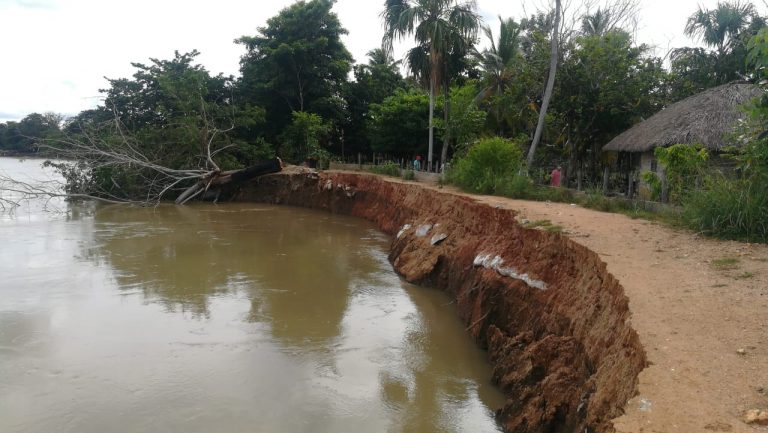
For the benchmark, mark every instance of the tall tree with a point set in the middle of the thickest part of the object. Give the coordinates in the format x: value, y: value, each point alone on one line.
x: 374, y: 82
x: 435, y: 24
x: 606, y: 85
x: 398, y: 124
x: 549, y: 88
x: 297, y: 63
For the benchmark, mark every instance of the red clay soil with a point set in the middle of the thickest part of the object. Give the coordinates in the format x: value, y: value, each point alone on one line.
x: 555, y: 322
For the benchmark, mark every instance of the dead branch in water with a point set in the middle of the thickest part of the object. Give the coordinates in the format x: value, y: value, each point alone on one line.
x: 108, y: 163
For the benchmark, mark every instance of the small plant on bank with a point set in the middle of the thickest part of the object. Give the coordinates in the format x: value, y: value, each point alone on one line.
x: 409, y: 175
x: 725, y: 263
x: 544, y: 225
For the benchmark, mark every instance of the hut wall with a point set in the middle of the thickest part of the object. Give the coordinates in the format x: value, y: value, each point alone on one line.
x: 647, y: 162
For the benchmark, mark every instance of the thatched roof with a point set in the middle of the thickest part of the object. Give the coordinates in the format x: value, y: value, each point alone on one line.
x: 706, y: 118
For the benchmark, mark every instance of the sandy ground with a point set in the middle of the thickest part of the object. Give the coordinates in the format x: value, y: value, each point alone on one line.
x: 704, y: 326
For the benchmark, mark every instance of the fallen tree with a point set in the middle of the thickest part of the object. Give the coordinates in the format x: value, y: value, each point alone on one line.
x: 108, y: 163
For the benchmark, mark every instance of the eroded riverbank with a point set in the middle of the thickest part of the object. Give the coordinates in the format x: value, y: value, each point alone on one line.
x: 555, y: 323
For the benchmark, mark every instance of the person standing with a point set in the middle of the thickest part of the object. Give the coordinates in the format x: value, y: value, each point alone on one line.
x: 417, y: 163
x: 554, y: 177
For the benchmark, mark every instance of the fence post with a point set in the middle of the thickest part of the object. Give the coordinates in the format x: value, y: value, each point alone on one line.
x: 664, y: 186
x: 605, y: 180
x: 578, y: 179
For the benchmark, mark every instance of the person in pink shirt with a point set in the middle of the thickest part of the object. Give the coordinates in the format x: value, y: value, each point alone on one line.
x: 554, y: 177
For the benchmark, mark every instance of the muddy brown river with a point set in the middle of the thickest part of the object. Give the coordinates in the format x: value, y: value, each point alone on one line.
x: 222, y: 318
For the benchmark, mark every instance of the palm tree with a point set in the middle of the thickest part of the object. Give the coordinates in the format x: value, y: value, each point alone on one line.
x: 381, y: 57
x: 435, y: 24
x: 720, y: 26
x: 497, y: 63
x: 596, y: 24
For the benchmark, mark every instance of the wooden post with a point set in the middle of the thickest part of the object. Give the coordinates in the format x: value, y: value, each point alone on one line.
x: 578, y: 177
x: 631, y: 186
x: 605, y: 180
x: 664, y: 186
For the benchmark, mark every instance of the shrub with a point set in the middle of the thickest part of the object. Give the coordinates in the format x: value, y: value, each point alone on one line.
x: 409, y: 175
x: 389, y: 168
x: 654, y: 182
x: 489, y: 167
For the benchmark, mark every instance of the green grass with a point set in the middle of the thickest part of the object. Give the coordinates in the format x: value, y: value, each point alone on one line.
x: 544, y: 225
x: 729, y: 209
x: 725, y: 263
x: 745, y: 275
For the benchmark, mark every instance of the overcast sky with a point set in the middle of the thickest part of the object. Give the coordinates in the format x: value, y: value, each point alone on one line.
x: 56, y: 53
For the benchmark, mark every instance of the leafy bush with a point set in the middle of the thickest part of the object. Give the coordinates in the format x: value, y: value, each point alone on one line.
x: 683, y: 164
x: 518, y: 186
x: 654, y: 182
x: 301, y: 139
x: 409, y: 175
x: 389, y: 168
x: 489, y: 167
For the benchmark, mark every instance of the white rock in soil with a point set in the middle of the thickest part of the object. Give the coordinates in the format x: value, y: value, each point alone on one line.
x: 422, y: 230
x: 756, y: 416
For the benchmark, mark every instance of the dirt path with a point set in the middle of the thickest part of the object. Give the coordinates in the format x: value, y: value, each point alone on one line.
x: 700, y: 307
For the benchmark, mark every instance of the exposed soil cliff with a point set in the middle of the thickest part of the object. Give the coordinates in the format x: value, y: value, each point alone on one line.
x: 554, y: 321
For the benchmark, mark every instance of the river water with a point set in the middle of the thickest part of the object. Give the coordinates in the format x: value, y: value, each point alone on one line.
x: 222, y: 318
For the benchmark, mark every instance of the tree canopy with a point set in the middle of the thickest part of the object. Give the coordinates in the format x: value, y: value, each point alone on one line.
x: 300, y: 95
x: 296, y: 63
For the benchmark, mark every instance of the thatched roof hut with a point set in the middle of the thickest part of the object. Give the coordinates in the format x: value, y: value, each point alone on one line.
x: 706, y: 118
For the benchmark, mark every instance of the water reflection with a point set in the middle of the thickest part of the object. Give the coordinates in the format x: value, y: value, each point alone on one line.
x: 295, y: 270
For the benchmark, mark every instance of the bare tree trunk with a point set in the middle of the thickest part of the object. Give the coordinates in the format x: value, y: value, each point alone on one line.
x: 549, y: 88
x: 446, y: 117
x: 431, y: 122
x: 579, y: 175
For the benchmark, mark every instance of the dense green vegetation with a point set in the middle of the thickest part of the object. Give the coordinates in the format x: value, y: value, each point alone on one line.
x: 300, y: 96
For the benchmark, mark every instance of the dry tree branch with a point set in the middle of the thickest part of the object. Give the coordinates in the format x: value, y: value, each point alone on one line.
x: 80, y: 159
